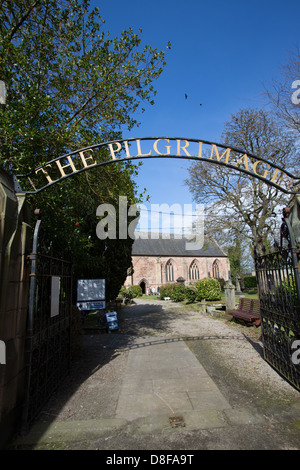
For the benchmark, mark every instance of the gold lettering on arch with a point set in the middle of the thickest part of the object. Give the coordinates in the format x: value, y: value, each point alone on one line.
x: 70, y: 164
x: 45, y: 172
x: 180, y: 147
x: 266, y: 172
x: 112, y: 150
x: 168, y: 147
x: 215, y: 150
x: 244, y: 161
x: 82, y: 160
x: 140, y: 154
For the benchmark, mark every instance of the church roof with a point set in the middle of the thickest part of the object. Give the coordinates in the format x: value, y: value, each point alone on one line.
x: 168, y: 245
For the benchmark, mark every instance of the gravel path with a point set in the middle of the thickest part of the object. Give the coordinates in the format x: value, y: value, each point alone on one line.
x: 240, y: 350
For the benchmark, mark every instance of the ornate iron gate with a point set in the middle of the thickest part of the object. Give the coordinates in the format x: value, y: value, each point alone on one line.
x: 48, y: 326
x: 279, y: 292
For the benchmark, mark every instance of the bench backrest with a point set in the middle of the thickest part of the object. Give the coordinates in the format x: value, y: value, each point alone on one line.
x: 256, y: 306
x: 249, y: 305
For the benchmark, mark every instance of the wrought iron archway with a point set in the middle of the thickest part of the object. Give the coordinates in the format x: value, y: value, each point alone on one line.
x: 78, y: 161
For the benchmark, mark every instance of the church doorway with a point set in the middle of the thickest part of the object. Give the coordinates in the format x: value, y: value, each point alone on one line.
x: 143, y: 287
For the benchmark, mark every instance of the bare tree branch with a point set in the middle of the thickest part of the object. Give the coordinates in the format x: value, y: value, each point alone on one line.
x: 237, y: 203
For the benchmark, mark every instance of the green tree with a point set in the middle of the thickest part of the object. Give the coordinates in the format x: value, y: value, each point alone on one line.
x: 235, y: 257
x: 69, y: 85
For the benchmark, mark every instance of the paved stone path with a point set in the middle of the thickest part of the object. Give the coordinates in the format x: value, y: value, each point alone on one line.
x: 164, y: 380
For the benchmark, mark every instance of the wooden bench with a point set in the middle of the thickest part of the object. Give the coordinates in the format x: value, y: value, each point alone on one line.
x: 248, y: 311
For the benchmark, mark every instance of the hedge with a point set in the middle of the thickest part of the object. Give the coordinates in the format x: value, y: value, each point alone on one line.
x: 249, y: 281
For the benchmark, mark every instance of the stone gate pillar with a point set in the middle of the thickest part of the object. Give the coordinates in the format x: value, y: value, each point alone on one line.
x: 15, y: 244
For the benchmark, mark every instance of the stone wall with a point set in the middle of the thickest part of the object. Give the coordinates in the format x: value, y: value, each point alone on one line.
x: 15, y: 244
x: 152, y: 269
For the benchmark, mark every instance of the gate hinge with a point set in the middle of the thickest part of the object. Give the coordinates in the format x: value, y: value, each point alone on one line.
x: 31, y: 256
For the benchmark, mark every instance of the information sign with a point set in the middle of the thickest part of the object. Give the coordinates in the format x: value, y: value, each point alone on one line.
x: 91, y: 294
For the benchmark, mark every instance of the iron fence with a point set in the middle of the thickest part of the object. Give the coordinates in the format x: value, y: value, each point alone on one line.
x: 48, y: 326
x: 279, y: 293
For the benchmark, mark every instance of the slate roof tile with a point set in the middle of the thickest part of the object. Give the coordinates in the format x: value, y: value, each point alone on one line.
x: 164, y: 246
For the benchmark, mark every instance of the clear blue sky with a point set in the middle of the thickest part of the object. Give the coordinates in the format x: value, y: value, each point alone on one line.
x: 223, y: 54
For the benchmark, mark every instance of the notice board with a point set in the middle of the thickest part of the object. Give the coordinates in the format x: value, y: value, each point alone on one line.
x: 91, y: 294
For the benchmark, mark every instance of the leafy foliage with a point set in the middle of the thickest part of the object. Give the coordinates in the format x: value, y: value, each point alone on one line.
x: 235, y: 256
x: 70, y: 85
x: 178, y: 293
x: 166, y: 291
x: 249, y: 282
x: 288, y: 288
x: 190, y: 294
x: 136, y: 291
x: 131, y: 293
x: 127, y: 294
x: 68, y: 82
x: 208, y: 289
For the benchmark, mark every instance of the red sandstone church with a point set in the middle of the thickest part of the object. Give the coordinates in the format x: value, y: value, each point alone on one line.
x: 166, y: 259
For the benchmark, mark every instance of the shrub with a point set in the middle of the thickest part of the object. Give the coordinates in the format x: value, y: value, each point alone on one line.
x: 190, y: 294
x: 123, y: 291
x: 130, y: 293
x: 178, y: 293
x: 127, y: 296
x: 136, y: 291
x: 249, y: 282
x: 166, y: 291
x: 208, y: 289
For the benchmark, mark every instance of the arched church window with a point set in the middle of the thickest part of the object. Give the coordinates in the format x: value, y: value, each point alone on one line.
x: 216, y: 269
x: 194, y: 271
x: 169, y: 271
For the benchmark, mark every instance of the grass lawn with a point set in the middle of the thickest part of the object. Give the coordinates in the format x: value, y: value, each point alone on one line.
x: 250, y: 294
